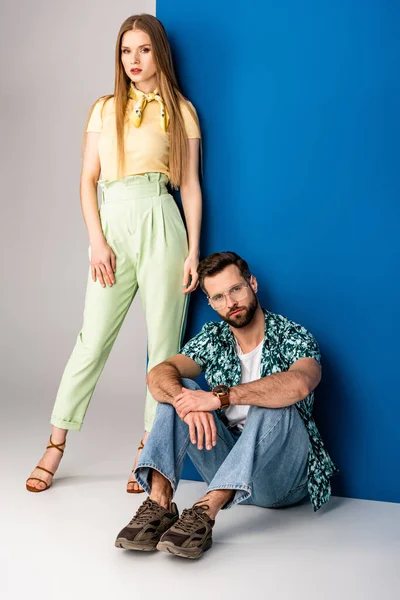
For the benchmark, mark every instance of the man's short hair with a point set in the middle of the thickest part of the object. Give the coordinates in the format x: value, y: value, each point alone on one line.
x: 217, y: 262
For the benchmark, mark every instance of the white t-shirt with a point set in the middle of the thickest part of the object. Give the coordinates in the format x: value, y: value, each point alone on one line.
x: 251, y: 370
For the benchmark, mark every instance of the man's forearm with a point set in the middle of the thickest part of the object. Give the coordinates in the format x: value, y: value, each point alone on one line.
x: 274, y: 391
x: 164, y: 382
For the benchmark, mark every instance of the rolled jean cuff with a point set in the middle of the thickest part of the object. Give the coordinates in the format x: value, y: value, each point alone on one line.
x: 142, y: 474
x: 242, y: 493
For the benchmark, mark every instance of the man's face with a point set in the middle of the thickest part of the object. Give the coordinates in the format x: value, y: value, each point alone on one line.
x: 236, y: 312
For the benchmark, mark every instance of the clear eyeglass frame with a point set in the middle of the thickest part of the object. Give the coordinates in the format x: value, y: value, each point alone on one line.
x: 241, y: 293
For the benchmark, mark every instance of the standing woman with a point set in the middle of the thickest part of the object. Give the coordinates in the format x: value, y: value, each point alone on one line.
x: 141, y: 138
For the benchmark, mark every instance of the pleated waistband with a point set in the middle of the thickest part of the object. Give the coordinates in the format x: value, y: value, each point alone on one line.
x: 133, y: 187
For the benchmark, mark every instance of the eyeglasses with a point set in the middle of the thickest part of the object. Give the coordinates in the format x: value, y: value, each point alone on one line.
x: 236, y: 293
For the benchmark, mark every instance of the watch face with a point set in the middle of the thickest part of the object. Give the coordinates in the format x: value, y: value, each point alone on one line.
x: 221, y: 389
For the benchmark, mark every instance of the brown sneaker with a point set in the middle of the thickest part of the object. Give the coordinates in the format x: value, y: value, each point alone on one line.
x: 191, y: 535
x: 144, y: 531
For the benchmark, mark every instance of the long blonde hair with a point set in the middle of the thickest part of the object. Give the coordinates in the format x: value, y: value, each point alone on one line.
x: 168, y: 88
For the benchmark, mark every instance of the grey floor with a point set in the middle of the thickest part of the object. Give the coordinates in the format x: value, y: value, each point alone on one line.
x: 59, y: 544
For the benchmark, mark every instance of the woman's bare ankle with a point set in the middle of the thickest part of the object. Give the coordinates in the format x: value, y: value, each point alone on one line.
x: 58, y: 435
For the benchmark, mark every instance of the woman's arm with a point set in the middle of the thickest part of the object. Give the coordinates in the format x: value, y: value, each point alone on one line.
x: 102, y: 257
x: 192, y: 205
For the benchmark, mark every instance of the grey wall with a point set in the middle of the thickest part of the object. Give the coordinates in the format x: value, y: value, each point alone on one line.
x: 56, y: 60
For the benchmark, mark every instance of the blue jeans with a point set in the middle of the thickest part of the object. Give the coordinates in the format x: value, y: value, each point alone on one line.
x: 266, y: 463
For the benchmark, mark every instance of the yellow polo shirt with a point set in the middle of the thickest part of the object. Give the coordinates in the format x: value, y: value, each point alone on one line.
x: 146, y: 147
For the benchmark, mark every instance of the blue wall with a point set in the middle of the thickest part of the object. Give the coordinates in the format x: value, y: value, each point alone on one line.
x: 299, y: 104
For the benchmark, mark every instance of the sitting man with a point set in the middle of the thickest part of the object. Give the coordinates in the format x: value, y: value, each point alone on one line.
x: 252, y: 437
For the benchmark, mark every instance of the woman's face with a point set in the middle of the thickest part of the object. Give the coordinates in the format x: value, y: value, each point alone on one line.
x: 138, y: 59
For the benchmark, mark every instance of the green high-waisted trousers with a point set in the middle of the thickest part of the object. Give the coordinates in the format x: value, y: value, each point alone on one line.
x: 142, y: 224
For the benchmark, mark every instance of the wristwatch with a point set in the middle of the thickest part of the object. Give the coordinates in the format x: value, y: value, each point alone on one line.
x: 222, y: 392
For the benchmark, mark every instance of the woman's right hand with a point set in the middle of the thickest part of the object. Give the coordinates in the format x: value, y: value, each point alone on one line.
x: 103, y: 264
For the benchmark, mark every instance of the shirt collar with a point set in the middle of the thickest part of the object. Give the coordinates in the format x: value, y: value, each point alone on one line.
x: 228, y: 337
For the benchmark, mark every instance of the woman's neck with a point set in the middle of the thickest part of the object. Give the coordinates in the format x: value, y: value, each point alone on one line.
x: 147, y: 86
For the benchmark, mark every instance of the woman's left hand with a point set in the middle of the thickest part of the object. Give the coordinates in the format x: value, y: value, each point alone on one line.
x: 190, y: 274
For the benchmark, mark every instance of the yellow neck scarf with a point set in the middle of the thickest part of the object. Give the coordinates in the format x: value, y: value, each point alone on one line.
x: 140, y: 102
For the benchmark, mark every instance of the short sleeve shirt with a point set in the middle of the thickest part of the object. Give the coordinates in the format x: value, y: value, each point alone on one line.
x: 146, y: 147
x: 285, y: 342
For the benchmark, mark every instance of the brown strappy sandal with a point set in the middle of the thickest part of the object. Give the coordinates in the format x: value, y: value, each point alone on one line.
x: 140, y: 490
x: 32, y: 489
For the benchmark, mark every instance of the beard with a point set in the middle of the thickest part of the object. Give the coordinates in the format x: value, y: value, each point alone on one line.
x: 244, y: 318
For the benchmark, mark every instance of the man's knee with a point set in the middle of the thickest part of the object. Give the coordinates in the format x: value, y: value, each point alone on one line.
x: 264, y: 413
x: 271, y: 420
x: 163, y: 410
x: 190, y: 384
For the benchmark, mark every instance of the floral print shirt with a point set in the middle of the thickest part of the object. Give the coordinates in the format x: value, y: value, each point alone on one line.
x: 213, y: 349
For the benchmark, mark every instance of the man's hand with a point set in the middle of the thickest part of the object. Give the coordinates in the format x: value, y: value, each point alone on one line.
x: 202, y: 427
x: 195, y: 400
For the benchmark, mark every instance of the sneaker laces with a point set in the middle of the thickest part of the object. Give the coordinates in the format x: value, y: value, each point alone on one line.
x: 190, y: 517
x: 145, y: 511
